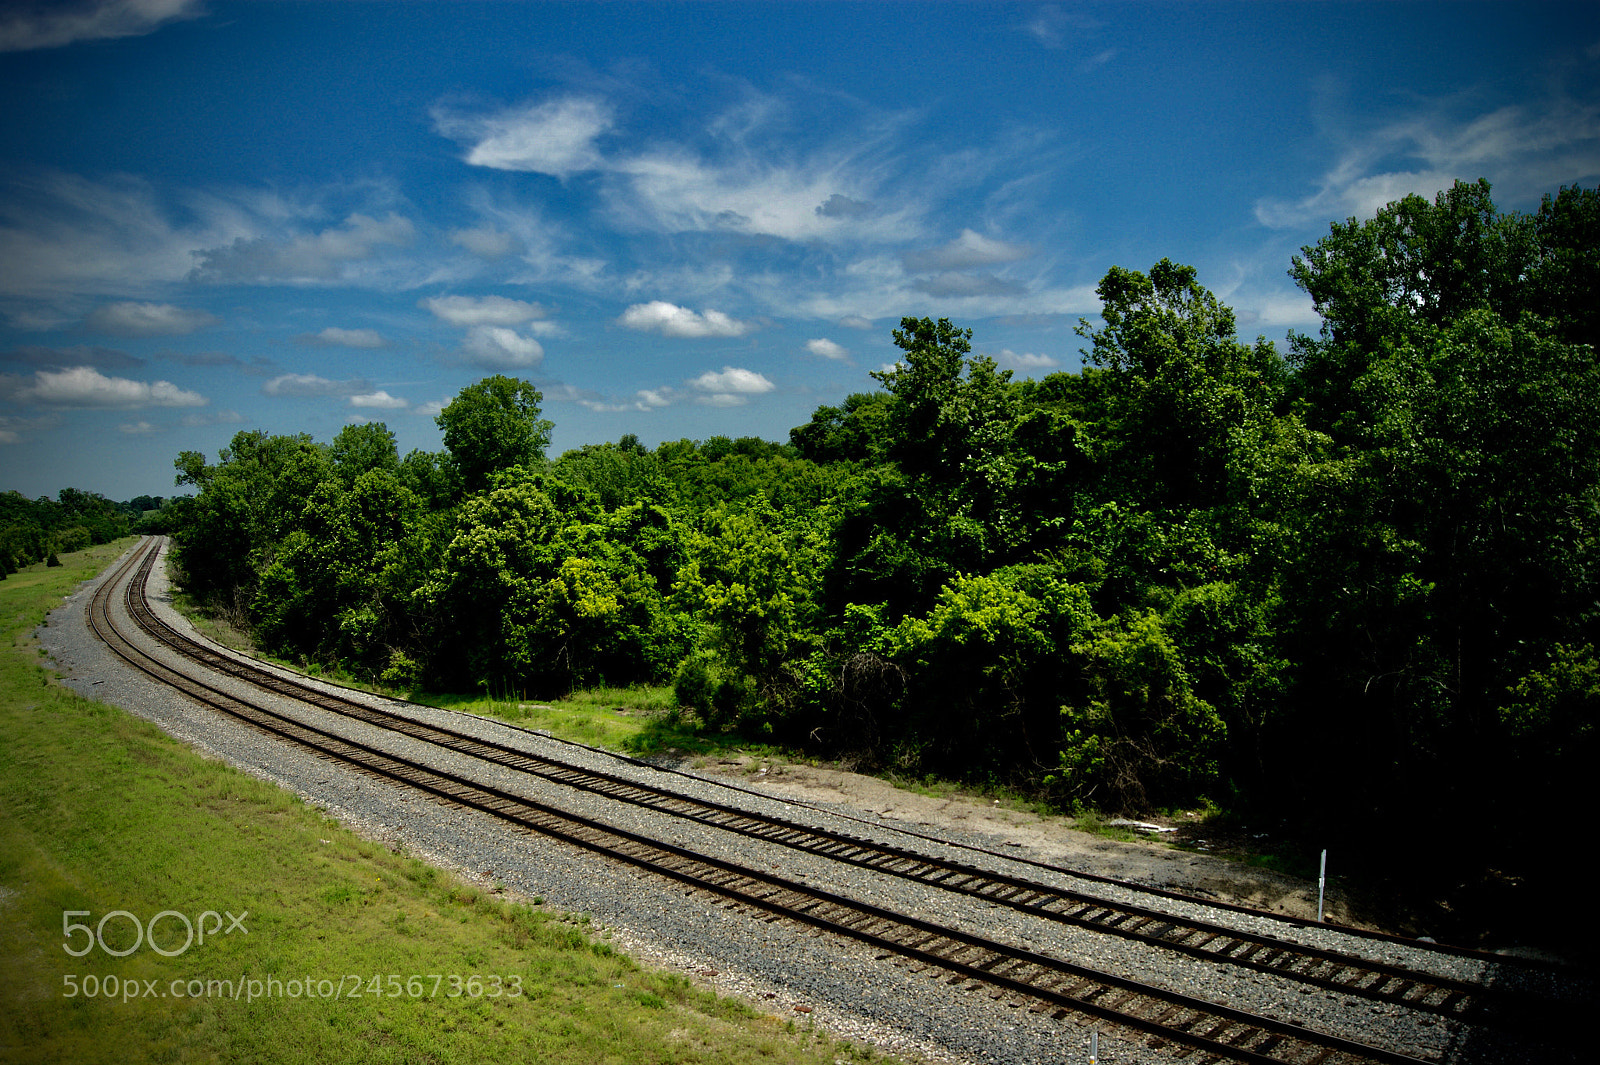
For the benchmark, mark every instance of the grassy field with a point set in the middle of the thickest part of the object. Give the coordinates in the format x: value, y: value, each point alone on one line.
x: 105, y: 813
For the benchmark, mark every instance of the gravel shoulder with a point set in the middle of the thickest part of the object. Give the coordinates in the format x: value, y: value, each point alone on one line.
x: 1052, y: 840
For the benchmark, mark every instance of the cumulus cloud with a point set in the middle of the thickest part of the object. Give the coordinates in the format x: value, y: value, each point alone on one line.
x: 731, y: 387
x: 498, y: 347
x: 29, y: 25
x: 137, y: 428
x: 824, y: 348
x: 968, y: 250
x: 303, y: 385
x: 856, y: 321
x: 333, y: 336
x: 84, y: 386
x: 379, y: 400
x: 486, y: 310
x: 557, y: 137
x: 130, y: 319
x: 1026, y: 361
x: 313, y: 257
x: 669, y: 319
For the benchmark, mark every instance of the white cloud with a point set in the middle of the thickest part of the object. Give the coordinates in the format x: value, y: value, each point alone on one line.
x: 959, y: 285
x: 824, y: 348
x: 305, y: 384
x: 314, y: 257
x: 743, y: 181
x: 378, y: 400
x: 487, y: 310
x: 53, y: 23
x: 855, y: 321
x: 669, y: 319
x: 485, y: 241
x: 1522, y: 150
x: 146, y: 320
x: 84, y: 386
x: 497, y: 347
x: 556, y: 138
x: 968, y: 250
x: 722, y: 399
x: 1025, y: 361
x: 733, y: 379
x: 62, y: 235
x: 137, y: 428
x: 348, y: 338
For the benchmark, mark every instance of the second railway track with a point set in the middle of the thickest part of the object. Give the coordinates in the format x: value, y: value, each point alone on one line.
x: 1163, y: 1016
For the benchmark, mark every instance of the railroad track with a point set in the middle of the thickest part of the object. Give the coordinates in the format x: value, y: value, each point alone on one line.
x: 1047, y: 983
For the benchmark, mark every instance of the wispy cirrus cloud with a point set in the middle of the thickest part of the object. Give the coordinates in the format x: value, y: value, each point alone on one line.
x: 1524, y: 150
x: 25, y: 25
x: 745, y: 178
x: 62, y: 235
x: 486, y: 241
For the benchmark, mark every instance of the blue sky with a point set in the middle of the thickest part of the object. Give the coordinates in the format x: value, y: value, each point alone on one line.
x: 682, y: 219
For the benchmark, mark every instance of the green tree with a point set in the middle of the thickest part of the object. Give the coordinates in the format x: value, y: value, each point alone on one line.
x: 363, y: 448
x: 493, y: 425
x: 1185, y: 402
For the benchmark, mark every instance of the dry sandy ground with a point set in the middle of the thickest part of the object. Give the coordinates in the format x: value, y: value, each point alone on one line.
x: 1048, y: 839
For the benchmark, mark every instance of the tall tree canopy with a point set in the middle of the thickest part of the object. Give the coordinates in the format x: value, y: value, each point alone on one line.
x: 493, y: 425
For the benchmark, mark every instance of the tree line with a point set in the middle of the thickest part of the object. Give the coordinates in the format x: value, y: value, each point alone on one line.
x: 37, y: 530
x: 1199, y: 568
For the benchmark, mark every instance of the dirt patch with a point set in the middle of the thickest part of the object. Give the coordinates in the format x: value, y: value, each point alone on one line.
x: 1050, y: 839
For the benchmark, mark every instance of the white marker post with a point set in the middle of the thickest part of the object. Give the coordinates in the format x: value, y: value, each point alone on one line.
x: 1094, y: 1048
x: 1322, y: 883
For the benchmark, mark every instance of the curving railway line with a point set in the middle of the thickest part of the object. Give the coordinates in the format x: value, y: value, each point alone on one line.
x: 1157, y: 1016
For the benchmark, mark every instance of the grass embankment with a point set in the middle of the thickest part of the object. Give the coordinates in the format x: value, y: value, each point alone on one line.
x: 104, y: 813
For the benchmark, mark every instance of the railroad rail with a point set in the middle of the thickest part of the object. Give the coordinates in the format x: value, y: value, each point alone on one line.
x: 1050, y: 983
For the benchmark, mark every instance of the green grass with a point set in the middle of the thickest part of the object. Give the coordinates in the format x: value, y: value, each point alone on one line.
x: 104, y: 812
